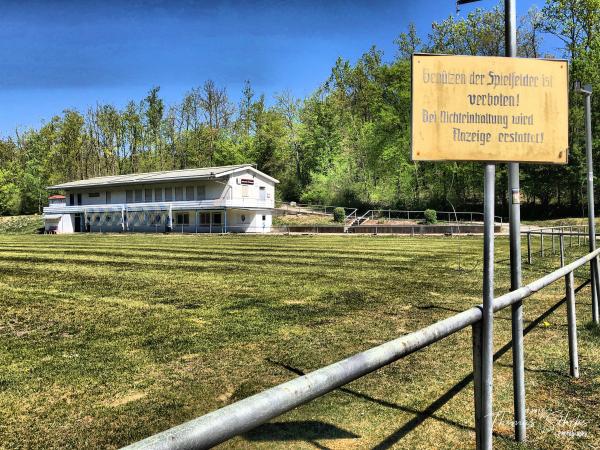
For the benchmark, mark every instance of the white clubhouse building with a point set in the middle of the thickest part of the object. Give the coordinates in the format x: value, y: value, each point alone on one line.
x: 211, y: 199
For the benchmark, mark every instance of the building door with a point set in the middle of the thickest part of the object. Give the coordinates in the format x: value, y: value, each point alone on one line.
x: 77, y: 226
x: 262, y: 194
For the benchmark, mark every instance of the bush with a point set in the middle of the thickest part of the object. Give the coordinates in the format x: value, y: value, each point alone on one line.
x: 339, y: 214
x: 430, y: 216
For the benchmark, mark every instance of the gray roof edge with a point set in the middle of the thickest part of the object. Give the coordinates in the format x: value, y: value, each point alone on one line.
x: 146, y: 178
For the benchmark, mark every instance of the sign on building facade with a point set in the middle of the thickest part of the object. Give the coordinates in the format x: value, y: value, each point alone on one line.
x: 474, y: 108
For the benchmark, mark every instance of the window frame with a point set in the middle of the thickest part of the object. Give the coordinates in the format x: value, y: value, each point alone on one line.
x: 185, y: 218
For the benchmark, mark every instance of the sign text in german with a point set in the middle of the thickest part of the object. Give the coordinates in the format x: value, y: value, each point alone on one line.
x: 474, y: 108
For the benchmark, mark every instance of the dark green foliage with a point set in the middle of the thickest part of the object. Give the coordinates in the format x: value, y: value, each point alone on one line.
x: 339, y: 214
x: 430, y: 216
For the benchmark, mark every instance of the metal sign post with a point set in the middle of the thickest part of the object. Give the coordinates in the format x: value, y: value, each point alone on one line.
x: 487, y: 335
x: 510, y: 30
x: 587, y: 92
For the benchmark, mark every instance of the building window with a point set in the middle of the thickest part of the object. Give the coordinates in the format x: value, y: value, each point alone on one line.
x: 201, y: 194
x: 243, y: 218
x: 147, y: 195
x: 217, y: 218
x: 138, y: 196
x: 189, y: 193
x: 204, y: 218
x: 93, y: 194
x: 79, y: 199
x: 168, y: 194
x: 129, y: 196
x: 178, y: 194
x: 158, y: 195
x: 182, y: 219
x: 264, y: 218
x: 71, y: 199
x: 108, y: 197
x: 245, y: 191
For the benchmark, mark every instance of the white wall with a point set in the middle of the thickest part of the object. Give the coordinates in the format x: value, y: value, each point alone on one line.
x: 63, y: 225
x: 236, y: 188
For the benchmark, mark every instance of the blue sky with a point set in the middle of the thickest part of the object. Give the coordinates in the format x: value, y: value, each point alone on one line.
x: 72, y: 54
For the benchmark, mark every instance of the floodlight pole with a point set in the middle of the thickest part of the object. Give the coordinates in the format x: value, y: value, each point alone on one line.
x: 514, y: 194
x: 587, y: 92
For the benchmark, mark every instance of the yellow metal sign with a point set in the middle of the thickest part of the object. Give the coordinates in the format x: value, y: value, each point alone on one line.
x: 476, y: 108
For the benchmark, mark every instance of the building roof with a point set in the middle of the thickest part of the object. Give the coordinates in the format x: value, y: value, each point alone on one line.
x: 56, y: 197
x: 204, y: 173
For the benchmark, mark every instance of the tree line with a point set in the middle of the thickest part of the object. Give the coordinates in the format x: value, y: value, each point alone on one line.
x: 348, y: 143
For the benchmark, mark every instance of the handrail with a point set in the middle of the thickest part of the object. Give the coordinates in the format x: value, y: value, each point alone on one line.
x: 350, y: 217
x: 370, y: 212
x: 239, y: 417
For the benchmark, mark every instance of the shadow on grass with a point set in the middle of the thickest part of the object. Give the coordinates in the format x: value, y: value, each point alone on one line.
x: 429, y: 411
x: 304, y: 430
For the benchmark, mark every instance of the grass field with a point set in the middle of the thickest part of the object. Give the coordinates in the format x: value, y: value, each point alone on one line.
x: 107, y: 339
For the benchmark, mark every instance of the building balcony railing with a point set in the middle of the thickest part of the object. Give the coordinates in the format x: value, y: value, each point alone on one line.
x: 161, y: 206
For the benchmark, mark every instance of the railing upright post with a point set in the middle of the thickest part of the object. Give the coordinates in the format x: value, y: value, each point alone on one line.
x: 542, y: 243
x: 553, y: 244
x: 572, y: 326
x: 562, y: 249
x: 528, y: 247
x: 476, y: 334
x: 570, y: 236
x: 596, y: 271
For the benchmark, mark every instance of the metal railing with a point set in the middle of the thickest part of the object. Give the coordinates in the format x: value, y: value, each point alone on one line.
x: 580, y: 232
x: 244, y: 415
x: 446, y: 216
x: 299, y: 208
x: 350, y: 218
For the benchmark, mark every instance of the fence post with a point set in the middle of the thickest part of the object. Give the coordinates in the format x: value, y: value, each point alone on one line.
x: 528, y: 247
x: 562, y: 249
x: 542, y: 243
x: 579, y: 236
x: 476, y: 337
x: 571, y: 236
x: 572, y: 326
x: 553, y: 244
x: 595, y: 267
